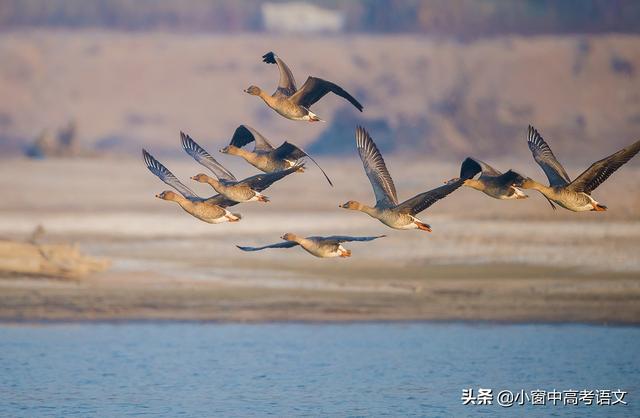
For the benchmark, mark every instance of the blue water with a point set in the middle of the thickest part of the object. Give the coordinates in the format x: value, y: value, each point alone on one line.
x: 395, y: 369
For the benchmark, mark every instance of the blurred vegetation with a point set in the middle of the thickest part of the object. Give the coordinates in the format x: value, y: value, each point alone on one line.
x: 460, y: 18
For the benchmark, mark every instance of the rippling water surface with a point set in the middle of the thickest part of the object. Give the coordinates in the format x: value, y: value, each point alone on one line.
x: 399, y: 369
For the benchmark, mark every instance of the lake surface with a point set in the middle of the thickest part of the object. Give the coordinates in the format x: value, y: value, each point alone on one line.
x: 395, y: 369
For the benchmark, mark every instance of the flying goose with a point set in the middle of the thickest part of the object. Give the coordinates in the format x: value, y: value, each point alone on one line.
x: 247, y: 190
x: 492, y: 182
x: 292, y: 103
x: 387, y: 209
x: 211, y: 210
x: 323, y: 247
x: 264, y: 156
x: 573, y: 195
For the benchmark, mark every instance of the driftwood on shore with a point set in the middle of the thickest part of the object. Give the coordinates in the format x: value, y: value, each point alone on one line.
x: 50, y: 260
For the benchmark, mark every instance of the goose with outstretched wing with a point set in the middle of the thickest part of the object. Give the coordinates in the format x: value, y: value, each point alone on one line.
x: 246, y: 190
x: 293, y: 103
x: 573, y: 195
x: 264, y: 156
x: 212, y: 210
x: 322, y: 247
x: 387, y: 209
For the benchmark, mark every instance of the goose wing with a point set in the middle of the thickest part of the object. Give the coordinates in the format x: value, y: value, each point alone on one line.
x: 315, y: 89
x: 199, y: 154
x: 599, y: 171
x: 221, y: 201
x: 288, y: 151
x: 481, y: 166
x: 337, y: 239
x: 510, y: 178
x: 167, y: 176
x: 283, y: 244
x: 260, y: 182
x: 543, y: 155
x: 376, y: 170
x: 287, y: 84
x: 245, y: 134
x: 422, y: 201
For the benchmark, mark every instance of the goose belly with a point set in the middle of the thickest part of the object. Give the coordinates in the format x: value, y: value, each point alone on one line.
x: 219, y: 220
x: 269, y: 164
x: 398, y: 221
x: 209, y: 214
x: 575, y: 207
x: 321, y: 253
x: 501, y: 194
x: 289, y: 110
x: 240, y: 194
x: 576, y: 202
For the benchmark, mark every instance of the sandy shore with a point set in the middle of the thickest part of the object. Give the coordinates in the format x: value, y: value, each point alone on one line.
x: 485, y: 260
x: 491, y: 292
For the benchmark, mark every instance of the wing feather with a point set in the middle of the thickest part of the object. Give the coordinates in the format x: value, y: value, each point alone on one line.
x: 245, y: 134
x: 260, y: 182
x: 599, y: 171
x: 510, y: 178
x: 483, y: 167
x: 167, y: 176
x: 422, y: 201
x: 283, y: 244
x: 543, y: 155
x: 221, y: 201
x: 286, y: 84
x: 347, y: 238
x: 199, y: 154
x: 376, y: 169
x: 290, y: 151
x: 315, y: 89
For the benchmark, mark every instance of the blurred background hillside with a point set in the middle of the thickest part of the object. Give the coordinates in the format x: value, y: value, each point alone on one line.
x: 92, y: 77
x: 458, y: 18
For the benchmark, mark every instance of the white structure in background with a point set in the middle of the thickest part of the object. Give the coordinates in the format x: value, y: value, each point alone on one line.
x: 300, y: 17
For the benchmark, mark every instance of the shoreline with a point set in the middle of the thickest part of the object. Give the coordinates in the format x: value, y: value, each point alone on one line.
x: 211, y: 322
x: 476, y: 294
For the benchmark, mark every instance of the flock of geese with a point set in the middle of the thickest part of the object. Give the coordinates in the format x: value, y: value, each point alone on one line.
x: 278, y: 162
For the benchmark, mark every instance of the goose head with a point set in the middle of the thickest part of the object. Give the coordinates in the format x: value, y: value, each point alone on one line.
x: 253, y: 90
x: 289, y: 237
x: 352, y: 205
x: 201, y: 178
x: 167, y: 195
x: 230, y: 149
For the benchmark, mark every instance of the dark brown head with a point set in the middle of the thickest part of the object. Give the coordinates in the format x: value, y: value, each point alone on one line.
x: 253, y: 90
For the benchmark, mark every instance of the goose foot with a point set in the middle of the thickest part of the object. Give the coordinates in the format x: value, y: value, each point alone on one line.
x: 422, y: 226
x: 598, y: 207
